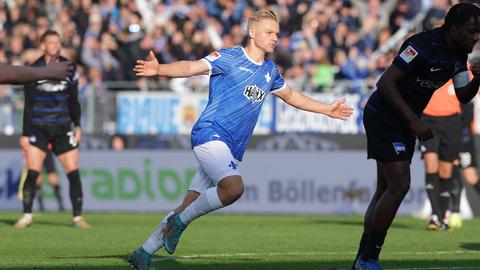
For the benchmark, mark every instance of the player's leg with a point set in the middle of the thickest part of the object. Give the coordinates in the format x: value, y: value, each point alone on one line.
x: 445, y: 186
x: 34, y: 157
x: 69, y: 161
x: 381, y: 187
x: 468, y: 162
x: 217, y: 162
x: 141, y: 258
x: 52, y: 176
x: 38, y: 192
x: 432, y: 187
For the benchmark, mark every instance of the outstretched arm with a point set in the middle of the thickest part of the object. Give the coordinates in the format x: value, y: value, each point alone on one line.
x: 22, y: 74
x: 298, y: 100
x: 175, y: 69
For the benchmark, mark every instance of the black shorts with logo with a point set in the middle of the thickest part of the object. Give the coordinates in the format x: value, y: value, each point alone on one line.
x: 388, y: 140
x: 446, y: 136
x: 62, y: 138
x: 468, y: 156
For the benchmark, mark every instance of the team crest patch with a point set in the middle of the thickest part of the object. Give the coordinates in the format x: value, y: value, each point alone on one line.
x: 399, y: 147
x: 213, y: 56
x: 408, y: 54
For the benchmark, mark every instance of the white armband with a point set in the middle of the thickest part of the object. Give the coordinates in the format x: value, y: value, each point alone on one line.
x: 461, y: 79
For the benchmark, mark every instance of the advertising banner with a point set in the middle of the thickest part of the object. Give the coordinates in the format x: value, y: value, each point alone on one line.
x: 328, y: 182
x: 171, y: 113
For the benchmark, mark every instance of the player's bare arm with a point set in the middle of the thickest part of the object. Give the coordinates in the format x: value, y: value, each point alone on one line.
x: 387, y: 86
x: 298, y: 100
x: 467, y: 93
x: 21, y: 74
x: 178, y: 69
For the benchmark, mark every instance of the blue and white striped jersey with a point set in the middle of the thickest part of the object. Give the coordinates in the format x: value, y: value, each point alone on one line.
x: 238, y: 87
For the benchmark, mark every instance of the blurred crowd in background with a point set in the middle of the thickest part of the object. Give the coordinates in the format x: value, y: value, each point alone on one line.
x: 320, y: 41
x: 339, y: 46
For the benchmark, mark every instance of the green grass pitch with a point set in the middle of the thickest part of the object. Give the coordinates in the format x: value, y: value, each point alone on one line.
x: 246, y: 242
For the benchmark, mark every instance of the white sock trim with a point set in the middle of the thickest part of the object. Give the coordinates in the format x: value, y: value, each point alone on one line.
x: 213, y: 199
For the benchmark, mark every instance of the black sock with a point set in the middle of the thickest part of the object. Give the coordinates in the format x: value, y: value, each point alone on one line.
x: 29, y: 190
x: 431, y: 186
x: 76, y: 195
x: 39, y: 196
x: 56, y: 190
x: 374, y: 244
x: 444, y: 186
x: 361, y: 247
x: 477, y: 187
x: 456, y: 189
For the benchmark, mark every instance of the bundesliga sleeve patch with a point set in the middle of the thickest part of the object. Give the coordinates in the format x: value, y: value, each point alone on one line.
x: 213, y: 56
x: 408, y: 54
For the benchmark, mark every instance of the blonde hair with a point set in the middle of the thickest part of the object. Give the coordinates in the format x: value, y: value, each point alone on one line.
x: 263, y: 14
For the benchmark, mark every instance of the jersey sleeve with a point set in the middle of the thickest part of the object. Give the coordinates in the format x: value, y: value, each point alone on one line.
x: 219, y: 61
x: 278, y: 81
x: 462, y: 76
x: 411, y: 57
x: 73, y: 103
x: 29, y: 94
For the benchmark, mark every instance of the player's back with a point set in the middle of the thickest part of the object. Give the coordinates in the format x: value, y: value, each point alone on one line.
x: 428, y: 64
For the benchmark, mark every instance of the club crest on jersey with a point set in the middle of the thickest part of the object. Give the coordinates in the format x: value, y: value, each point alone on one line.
x: 254, y: 93
x: 267, y: 77
x: 213, y: 56
x: 408, y: 54
x: 398, y: 147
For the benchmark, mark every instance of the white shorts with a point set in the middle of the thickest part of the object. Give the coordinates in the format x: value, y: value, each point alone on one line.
x: 215, y: 163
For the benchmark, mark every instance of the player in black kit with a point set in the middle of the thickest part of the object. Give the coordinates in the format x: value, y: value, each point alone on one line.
x: 391, y: 117
x: 51, y: 108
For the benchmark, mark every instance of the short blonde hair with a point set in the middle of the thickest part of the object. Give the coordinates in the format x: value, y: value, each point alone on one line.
x: 263, y: 14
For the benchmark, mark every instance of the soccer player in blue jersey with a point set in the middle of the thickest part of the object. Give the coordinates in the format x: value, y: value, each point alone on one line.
x: 391, y: 116
x: 240, y: 79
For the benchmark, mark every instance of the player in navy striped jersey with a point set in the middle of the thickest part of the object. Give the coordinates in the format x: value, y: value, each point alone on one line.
x: 51, y: 111
x: 392, y: 114
x: 240, y: 79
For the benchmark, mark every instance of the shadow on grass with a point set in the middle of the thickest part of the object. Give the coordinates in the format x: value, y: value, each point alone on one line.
x: 471, y: 246
x: 359, y: 223
x: 11, y: 222
x: 179, y: 263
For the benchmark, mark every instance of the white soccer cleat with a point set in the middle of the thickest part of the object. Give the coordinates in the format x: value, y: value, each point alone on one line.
x: 24, y: 221
x: 80, y: 222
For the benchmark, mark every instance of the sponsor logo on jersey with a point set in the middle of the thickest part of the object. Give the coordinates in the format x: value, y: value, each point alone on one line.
x: 408, y: 54
x: 429, y: 84
x: 213, y: 56
x: 254, y: 93
x: 52, y: 86
x: 245, y: 69
x: 398, y: 147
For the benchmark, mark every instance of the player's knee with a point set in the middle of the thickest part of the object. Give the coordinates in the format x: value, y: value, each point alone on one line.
x: 401, y: 190
x: 236, y: 192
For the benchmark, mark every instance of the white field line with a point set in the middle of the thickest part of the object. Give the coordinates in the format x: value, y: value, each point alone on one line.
x: 273, y: 254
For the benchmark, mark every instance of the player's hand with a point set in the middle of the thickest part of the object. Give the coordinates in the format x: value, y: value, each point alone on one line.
x: 147, y: 68
x: 78, y: 134
x: 421, y: 130
x: 339, y: 111
x: 56, y: 70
